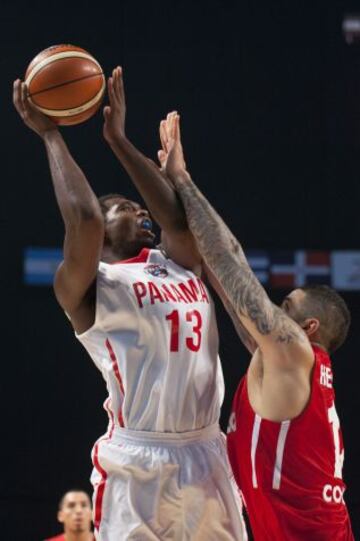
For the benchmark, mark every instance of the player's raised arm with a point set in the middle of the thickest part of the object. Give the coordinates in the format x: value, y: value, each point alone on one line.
x: 243, y: 334
x: 270, y: 327
x: 79, y: 207
x: 157, y: 192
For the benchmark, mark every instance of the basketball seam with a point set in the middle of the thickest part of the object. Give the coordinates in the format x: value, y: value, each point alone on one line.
x: 37, y: 68
x: 47, y: 110
x: 64, y: 84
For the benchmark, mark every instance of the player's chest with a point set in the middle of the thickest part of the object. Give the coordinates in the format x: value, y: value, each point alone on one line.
x: 157, y: 287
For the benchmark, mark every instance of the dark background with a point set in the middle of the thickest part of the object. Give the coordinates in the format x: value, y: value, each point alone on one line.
x: 269, y: 99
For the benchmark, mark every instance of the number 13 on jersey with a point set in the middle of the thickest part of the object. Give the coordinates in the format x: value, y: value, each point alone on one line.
x: 193, y: 322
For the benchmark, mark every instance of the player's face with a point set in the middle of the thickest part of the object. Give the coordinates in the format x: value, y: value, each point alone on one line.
x: 75, y: 513
x: 128, y: 225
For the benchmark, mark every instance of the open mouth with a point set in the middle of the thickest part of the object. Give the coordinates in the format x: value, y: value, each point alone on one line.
x: 145, y: 226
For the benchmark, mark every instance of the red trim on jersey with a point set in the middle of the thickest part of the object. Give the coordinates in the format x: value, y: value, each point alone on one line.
x: 100, y: 489
x: 117, y: 375
x: 142, y: 257
x: 61, y: 537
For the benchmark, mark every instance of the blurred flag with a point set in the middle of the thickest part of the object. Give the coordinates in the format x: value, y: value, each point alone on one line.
x: 275, y: 269
x: 351, y: 28
x: 40, y: 265
x: 346, y: 270
x: 295, y: 269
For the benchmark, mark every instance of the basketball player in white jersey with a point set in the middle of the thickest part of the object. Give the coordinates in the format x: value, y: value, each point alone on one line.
x: 147, y: 321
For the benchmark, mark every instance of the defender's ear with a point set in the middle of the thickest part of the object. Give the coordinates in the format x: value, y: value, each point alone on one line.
x: 310, y: 326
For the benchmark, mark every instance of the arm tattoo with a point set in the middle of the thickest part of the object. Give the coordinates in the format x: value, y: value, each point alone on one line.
x: 243, y: 334
x: 225, y: 257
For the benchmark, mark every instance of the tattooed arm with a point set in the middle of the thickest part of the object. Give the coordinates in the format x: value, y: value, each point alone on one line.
x: 243, y: 334
x: 267, y: 324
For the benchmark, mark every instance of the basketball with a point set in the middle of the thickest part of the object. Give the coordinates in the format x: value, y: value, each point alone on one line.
x: 65, y: 83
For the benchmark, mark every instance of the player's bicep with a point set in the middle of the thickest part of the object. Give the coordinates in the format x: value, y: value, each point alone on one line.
x: 82, y: 252
x: 281, y: 339
x: 248, y: 341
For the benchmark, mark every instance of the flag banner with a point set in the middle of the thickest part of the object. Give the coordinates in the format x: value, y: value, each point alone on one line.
x: 275, y: 269
x: 345, y: 270
x: 40, y: 265
x: 293, y: 269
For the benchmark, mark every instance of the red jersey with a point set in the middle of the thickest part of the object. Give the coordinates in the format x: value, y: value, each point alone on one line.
x: 289, y: 473
x: 60, y: 537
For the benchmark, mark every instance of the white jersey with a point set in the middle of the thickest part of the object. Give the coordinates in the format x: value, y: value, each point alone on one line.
x: 155, y: 341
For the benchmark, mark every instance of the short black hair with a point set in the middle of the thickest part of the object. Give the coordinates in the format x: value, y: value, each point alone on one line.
x: 324, y: 303
x: 62, y: 499
x: 104, y: 198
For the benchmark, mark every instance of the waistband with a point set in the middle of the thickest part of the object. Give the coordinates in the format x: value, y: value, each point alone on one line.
x: 165, y: 438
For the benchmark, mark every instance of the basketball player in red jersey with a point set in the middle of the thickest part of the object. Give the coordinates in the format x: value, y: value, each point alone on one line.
x: 75, y: 515
x: 284, y: 437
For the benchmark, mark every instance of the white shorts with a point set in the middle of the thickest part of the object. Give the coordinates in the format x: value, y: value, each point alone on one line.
x: 151, y: 486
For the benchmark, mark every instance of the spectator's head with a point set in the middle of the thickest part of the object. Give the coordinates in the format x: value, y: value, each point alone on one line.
x: 75, y: 511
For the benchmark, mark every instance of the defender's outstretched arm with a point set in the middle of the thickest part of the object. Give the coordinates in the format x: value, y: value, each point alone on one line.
x: 268, y: 324
x: 243, y: 334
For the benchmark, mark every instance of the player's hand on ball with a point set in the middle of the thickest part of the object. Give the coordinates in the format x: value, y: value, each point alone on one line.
x: 34, y: 119
x: 115, y: 112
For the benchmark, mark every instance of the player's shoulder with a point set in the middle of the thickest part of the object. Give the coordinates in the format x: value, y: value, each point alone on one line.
x: 161, y: 254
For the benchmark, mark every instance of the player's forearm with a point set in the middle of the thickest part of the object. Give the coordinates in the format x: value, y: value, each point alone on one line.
x: 74, y: 195
x: 159, y: 196
x: 225, y: 257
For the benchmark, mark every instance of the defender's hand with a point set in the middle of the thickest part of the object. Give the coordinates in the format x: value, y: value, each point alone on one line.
x: 115, y: 112
x: 175, y: 166
x: 167, y: 138
x: 34, y: 119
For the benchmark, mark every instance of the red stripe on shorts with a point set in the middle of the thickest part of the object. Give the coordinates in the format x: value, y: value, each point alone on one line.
x: 100, y: 489
x: 117, y: 375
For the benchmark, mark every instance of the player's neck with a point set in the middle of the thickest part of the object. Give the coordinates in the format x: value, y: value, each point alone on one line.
x: 109, y: 255
x: 317, y: 344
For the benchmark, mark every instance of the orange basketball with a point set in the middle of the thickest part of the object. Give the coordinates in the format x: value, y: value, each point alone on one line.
x: 65, y: 83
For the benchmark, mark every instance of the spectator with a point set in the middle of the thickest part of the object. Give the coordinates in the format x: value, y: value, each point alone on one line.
x: 74, y: 513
